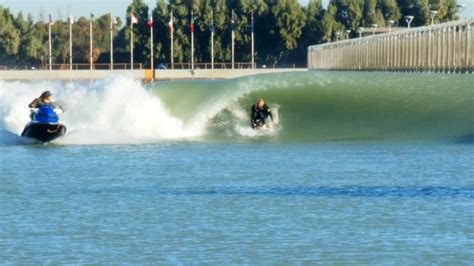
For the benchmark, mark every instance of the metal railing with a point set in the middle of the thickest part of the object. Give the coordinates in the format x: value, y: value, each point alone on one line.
x: 140, y: 66
x: 446, y: 47
x: 237, y: 65
x: 116, y: 66
x: 98, y: 66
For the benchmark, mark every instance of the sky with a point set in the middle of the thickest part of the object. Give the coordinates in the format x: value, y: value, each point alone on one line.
x: 62, y: 8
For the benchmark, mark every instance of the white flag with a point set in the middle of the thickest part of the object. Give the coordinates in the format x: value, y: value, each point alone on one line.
x: 51, y: 22
x: 71, y: 19
x: 134, y: 19
x: 170, y: 23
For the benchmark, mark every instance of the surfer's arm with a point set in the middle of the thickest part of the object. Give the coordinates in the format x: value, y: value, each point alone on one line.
x: 270, y: 114
x: 253, y: 113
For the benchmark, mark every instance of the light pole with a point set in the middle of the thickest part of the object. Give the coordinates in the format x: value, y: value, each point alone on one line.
x: 390, y: 24
x: 360, y: 30
x: 409, y: 19
x: 460, y: 8
x: 433, y: 14
x: 253, y: 41
x: 348, y: 32
x: 71, y: 20
x: 374, y: 27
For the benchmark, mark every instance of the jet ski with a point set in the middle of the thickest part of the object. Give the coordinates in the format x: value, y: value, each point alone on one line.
x: 44, y: 125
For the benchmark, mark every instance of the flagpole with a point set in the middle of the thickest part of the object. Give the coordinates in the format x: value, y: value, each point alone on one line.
x: 111, y: 42
x: 192, y: 41
x: 49, y: 43
x: 232, y: 38
x: 253, y: 44
x: 172, y: 33
x: 131, y: 41
x: 232, y: 49
x: 212, y: 49
x: 70, y: 42
x: 212, y: 39
x: 151, y: 43
x: 90, y: 44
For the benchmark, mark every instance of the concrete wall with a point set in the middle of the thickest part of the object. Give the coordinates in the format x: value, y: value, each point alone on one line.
x: 167, y: 74
x: 217, y: 73
x: 67, y: 74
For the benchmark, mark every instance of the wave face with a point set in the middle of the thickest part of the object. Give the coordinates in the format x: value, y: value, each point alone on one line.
x: 310, y: 106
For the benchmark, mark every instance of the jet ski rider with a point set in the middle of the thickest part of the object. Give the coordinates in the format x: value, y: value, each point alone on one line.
x: 260, y: 112
x: 44, y: 99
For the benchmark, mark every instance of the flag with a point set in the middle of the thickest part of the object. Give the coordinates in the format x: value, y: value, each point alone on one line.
x: 212, y: 28
x: 51, y: 22
x: 114, y: 21
x: 251, y: 21
x: 150, y: 22
x: 191, y: 26
x: 232, y: 20
x: 92, y: 17
x: 133, y: 18
x: 170, y: 23
x: 71, y: 19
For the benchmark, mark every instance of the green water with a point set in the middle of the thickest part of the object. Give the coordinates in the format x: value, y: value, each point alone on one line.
x: 331, y: 106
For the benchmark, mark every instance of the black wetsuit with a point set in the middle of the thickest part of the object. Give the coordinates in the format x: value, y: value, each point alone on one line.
x: 259, y: 115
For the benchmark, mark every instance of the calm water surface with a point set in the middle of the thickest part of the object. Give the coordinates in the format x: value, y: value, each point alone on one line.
x: 253, y: 202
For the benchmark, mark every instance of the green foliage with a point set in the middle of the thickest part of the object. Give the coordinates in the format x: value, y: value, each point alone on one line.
x: 283, y: 30
x: 446, y: 10
x: 418, y: 8
x: 9, y: 37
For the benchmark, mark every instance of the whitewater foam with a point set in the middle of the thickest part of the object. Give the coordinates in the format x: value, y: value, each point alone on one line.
x: 115, y: 110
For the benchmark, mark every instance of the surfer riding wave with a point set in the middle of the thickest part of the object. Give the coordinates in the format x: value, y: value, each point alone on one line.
x: 259, y: 114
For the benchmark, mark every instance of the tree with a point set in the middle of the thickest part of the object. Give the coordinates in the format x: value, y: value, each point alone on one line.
x: 389, y: 10
x: 161, y: 17
x: 141, y: 31
x: 372, y: 14
x: 417, y: 8
x: 446, y: 10
x: 32, y: 49
x: 9, y: 37
x: 312, y: 32
x: 347, y: 12
x: 289, y: 21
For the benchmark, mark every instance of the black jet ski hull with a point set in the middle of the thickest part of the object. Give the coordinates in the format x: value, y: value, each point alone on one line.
x: 44, y: 132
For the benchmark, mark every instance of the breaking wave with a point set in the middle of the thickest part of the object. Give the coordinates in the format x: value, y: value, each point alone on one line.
x: 310, y: 106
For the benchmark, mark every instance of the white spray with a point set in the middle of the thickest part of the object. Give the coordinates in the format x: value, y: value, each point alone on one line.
x: 115, y: 110
x: 120, y: 110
